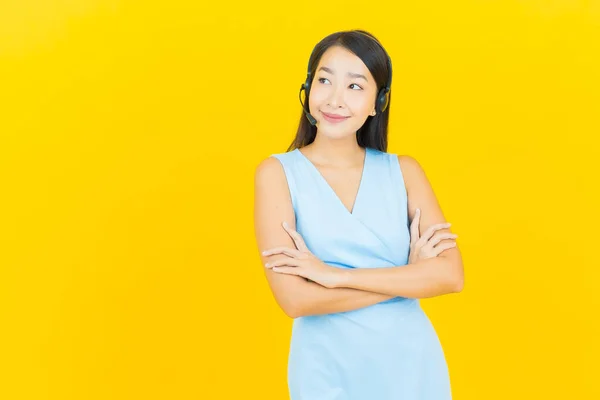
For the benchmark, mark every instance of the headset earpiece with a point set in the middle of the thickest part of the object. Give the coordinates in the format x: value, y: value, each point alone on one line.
x: 306, y: 87
x: 383, y: 99
x: 307, y: 84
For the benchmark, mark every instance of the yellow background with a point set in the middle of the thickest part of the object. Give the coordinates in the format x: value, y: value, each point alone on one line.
x: 130, y: 131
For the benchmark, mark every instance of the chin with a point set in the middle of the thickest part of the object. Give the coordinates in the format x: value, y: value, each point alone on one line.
x: 335, y: 134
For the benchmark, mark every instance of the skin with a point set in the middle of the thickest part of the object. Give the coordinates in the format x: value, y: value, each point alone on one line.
x: 301, y: 283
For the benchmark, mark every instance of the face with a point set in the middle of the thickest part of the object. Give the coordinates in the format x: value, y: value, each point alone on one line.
x: 342, y: 87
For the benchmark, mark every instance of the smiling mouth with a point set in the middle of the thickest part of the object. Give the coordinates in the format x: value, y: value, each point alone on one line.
x: 334, y: 117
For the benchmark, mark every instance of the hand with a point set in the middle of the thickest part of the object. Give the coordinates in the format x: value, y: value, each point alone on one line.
x: 422, y: 247
x: 302, y: 262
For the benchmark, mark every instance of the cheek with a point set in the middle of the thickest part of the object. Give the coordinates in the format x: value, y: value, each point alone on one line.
x: 360, y: 103
x: 317, y: 96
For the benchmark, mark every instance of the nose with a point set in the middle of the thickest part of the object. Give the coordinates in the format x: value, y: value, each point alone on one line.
x: 336, y: 96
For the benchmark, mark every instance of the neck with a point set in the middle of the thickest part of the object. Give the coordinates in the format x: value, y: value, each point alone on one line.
x: 343, y: 152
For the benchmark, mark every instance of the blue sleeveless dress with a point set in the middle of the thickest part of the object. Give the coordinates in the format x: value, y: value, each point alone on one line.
x: 387, y: 351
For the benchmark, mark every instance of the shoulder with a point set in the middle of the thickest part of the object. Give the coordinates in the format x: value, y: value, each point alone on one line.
x: 408, y: 162
x: 269, y: 170
x: 268, y: 166
x: 273, y: 172
x: 412, y: 170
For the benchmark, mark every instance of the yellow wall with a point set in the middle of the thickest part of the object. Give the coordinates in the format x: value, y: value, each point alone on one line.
x: 129, y: 134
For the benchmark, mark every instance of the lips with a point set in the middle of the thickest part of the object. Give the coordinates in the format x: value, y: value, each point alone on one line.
x: 334, y: 117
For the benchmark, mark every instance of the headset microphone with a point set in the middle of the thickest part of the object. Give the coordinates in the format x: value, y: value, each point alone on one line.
x: 310, y: 118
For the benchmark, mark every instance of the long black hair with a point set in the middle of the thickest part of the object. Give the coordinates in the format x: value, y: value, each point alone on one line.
x: 374, y: 132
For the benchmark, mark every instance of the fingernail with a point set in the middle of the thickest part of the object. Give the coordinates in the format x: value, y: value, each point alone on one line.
x: 285, y: 224
x: 267, y: 264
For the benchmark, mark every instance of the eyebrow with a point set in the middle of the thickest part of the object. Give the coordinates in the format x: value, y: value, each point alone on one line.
x: 350, y: 74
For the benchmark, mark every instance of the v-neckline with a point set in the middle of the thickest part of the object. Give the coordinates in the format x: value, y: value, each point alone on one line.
x: 361, y: 184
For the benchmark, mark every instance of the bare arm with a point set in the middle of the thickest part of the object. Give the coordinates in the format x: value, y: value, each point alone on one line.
x: 295, y: 295
x: 309, y: 298
x: 428, y: 277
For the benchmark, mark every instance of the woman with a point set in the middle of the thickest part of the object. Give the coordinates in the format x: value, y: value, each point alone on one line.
x: 352, y: 237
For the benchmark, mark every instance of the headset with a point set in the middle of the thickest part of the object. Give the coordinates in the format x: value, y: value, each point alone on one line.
x: 383, y: 97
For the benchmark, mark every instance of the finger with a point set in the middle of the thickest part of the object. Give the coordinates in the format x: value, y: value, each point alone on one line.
x: 443, y: 246
x: 287, y: 261
x: 282, y: 250
x: 296, y: 237
x: 429, y: 248
x: 429, y: 232
x: 438, y: 237
x: 414, y: 227
x: 287, y: 270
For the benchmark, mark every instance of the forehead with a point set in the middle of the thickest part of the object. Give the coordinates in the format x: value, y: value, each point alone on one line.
x: 338, y: 57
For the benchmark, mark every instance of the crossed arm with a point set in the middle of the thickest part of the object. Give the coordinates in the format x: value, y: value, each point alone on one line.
x: 363, y: 287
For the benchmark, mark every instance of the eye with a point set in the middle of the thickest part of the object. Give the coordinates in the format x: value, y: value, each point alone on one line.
x: 321, y: 80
